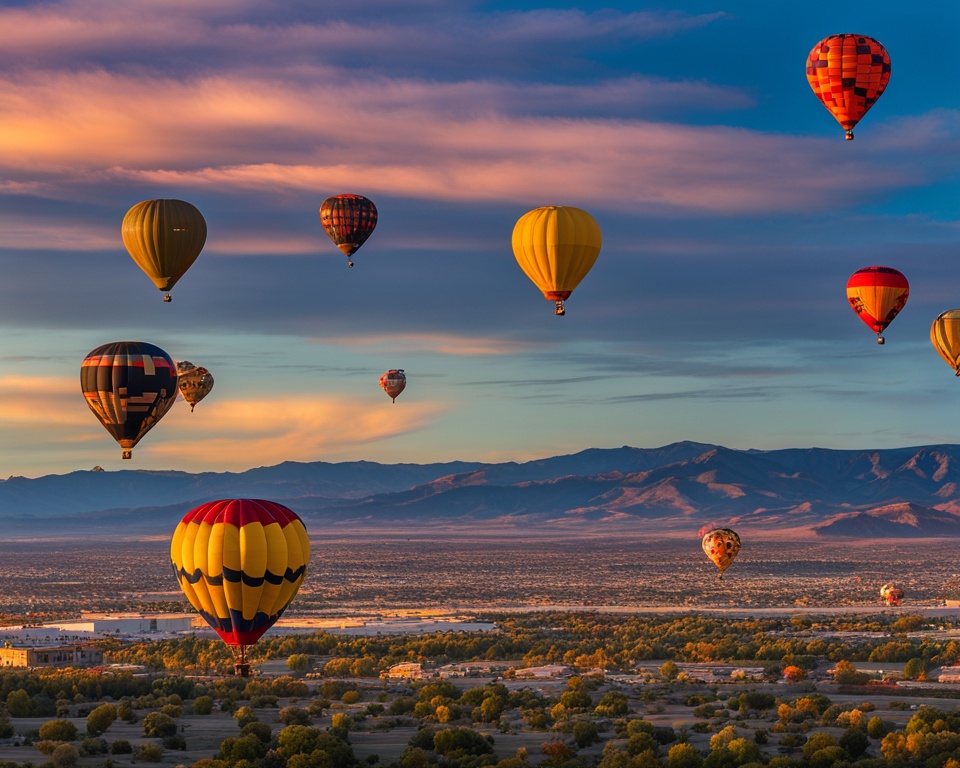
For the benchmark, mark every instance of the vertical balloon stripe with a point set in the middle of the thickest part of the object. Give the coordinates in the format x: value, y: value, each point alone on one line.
x: 164, y: 238
x: 945, y: 337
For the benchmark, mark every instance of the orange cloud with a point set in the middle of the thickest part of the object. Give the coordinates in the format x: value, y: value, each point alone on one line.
x: 440, y: 343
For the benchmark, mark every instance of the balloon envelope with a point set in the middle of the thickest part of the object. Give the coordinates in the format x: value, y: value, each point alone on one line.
x: 877, y: 294
x: 164, y: 237
x: 393, y: 382
x: 721, y: 546
x: 129, y: 386
x: 195, y: 382
x: 556, y: 246
x: 945, y: 336
x: 891, y: 593
x: 349, y: 220
x: 240, y: 562
x: 848, y: 73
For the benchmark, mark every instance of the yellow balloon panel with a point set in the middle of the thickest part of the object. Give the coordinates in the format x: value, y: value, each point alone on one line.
x: 164, y: 237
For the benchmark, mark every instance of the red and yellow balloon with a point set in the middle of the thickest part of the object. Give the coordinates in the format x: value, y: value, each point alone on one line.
x: 877, y: 294
x: 348, y: 220
x: 240, y: 562
x: 848, y: 73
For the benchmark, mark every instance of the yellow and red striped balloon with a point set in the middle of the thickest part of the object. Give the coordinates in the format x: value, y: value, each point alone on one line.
x: 240, y: 562
x: 877, y: 294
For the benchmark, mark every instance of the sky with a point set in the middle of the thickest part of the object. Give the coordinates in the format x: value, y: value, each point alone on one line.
x: 731, y: 207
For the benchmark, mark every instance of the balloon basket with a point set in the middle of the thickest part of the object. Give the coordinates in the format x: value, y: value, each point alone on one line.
x: 241, y: 669
x: 167, y: 298
x: 127, y: 453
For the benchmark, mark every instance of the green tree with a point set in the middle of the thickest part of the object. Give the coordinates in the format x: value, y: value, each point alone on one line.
x: 299, y: 663
x: 613, y: 704
x: 876, y: 728
x: 585, y: 733
x: 58, y: 730
x: 19, y: 703
x: 293, y: 716
x: 915, y: 669
x: 203, y: 705
x: 158, y: 725
x: 245, y: 715
x: 100, y: 719
x: 854, y: 742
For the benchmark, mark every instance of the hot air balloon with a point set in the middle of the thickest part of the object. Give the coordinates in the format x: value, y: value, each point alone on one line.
x: 195, y: 382
x: 349, y: 220
x: 556, y: 246
x: 945, y: 335
x: 891, y: 593
x: 164, y: 237
x: 240, y: 562
x: 877, y: 294
x: 393, y: 382
x: 848, y: 73
x: 129, y: 386
x: 721, y: 546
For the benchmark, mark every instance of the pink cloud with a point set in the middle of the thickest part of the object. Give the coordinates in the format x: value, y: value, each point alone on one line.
x: 439, y: 343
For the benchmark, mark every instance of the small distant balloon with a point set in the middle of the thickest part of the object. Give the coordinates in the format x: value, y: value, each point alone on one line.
x: 129, y: 386
x: 945, y: 336
x: 164, y: 238
x: 393, y: 382
x: 891, y: 593
x: 877, y: 294
x: 556, y: 246
x: 721, y: 545
x: 349, y: 220
x: 848, y: 73
x: 195, y: 382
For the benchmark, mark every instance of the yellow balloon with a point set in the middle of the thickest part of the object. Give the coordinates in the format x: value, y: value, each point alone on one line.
x: 945, y: 335
x: 556, y: 246
x: 164, y: 237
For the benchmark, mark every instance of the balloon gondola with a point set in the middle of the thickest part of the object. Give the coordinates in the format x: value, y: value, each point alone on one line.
x: 556, y: 246
x: 848, y: 73
x: 240, y: 562
x: 877, y: 294
x: 393, y: 382
x: 129, y: 386
x: 195, y: 382
x: 721, y: 545
x: 164, y: 238
x: 348, y: 220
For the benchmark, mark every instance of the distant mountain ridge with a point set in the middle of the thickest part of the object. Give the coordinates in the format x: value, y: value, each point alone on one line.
x: 901, y: 492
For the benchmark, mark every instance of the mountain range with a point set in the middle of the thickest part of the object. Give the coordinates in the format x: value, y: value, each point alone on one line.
x: 679, y: 488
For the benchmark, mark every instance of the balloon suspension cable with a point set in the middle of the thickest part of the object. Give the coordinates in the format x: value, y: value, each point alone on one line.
x: 849, y: 135
x: 128, y: 452
x: 880, y: 339
x: 560, y: 310
x: 168, y: 298
x: 241, y: 668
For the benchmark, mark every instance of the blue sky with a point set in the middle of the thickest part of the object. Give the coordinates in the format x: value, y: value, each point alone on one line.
x: 731, y: 207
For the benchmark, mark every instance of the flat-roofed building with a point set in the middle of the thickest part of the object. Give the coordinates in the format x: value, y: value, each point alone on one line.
x: 407, y: 670
x: 75, y: 655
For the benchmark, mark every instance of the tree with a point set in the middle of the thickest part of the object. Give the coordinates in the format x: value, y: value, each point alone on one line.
x: 245, y: 715
x: 100, y: 719
x: 854, y: 742
x: 684, y: 756
x: 65, y: 756
x: 19, y: 703
x: 793, y: 673
x: 876, y: 728
x: 585, y: 733
x: 203, y: 705
x: 557, y: 751
x: 299, y: 663
x: 846, y: 674
x: 294, y: 716
x: 669, y: 670
x: 613, y: 704
x: 157, y: 725
x: 915, y: 669
x: 58, y: 730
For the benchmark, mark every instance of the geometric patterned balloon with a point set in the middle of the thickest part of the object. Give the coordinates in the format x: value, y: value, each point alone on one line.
x: 348, y: 220
x: 240, y: 562
x: 848, y: 73
x: 721, y: 546
x: 129, y: 386
x: 195, y: 382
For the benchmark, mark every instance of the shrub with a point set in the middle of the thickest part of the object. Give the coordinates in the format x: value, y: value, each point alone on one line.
x: 121, y: 747
x: 149, y: 753
x: 65, y: 756
x: 100, y: 719
x: 58, y: 730
x: 203, y: 705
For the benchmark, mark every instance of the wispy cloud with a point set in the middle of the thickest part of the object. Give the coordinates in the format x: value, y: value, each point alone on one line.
x: 439, y: 343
